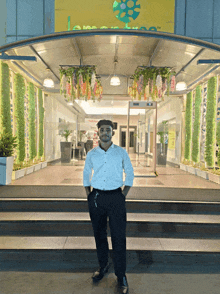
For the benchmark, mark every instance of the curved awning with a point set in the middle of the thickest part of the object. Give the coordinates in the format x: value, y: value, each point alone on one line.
x: 100, y: 47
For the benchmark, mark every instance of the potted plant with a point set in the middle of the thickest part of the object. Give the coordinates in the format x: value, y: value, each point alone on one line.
x: 7, y: 145
x: 66, y: 147
x: 162, y: 147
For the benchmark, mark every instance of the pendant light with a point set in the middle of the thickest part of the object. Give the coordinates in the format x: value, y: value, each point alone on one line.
x: 48, y: 83
x: 115, y: 81
x: 181, y: 86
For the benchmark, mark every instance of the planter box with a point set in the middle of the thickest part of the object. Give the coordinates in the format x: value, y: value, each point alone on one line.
x: 191, y: 170
x: 202, y: 174
x: 214, y: 178
x: 44, y: 164
x: 66, y: 148
x: 30, y: 170
x: 37, y: 167
x: 19, y: 173
x: 183, y: 167
x: 6, y: 168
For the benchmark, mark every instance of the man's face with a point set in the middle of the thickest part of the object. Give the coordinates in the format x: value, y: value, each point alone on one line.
x: 105, y: 133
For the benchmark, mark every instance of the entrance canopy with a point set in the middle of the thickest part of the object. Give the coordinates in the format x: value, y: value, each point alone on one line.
x: 131, y: 48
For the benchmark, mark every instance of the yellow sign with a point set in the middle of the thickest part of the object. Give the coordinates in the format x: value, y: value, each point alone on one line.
x: 172, y: 140
x: 153, y: 15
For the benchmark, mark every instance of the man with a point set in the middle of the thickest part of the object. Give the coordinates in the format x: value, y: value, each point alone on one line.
x: 108, y: 199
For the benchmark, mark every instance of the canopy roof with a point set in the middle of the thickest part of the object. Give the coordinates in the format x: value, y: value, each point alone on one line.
x: 131, y: 48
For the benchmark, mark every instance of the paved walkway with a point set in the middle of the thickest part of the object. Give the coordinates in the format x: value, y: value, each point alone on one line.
x: 71, y: 174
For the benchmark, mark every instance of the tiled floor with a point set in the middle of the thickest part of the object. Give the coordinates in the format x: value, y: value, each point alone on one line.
x: 72, y: 174
x: 58, y: 277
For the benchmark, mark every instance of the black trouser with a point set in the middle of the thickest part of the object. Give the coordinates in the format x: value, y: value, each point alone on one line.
x: 109, y: 203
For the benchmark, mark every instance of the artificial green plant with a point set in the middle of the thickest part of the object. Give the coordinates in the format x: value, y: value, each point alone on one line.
x: 196, y: 125
x: 5, y: 108
x: 41, y: 124
x: 211, y: 122
x: 19, y: 113
x: 218, y: 142
x: 188, y: 127
x: 32, y: 132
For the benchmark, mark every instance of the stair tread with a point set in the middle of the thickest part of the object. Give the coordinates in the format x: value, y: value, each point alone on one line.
x: 131, y: 217
x: 154, y: 244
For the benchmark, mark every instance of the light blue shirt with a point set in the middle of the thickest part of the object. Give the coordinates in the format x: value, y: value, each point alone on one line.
x: 108, y: 168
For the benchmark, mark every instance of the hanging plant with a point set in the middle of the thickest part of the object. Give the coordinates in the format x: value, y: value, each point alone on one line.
x: 78, y: 82
x: 151, y: 82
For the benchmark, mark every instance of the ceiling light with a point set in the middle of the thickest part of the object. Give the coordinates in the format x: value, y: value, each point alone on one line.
x: 181, y: 86
x: 115, y: 81
x: 49, y: 83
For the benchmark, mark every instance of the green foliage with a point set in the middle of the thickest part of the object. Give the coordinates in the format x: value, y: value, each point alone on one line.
x: 196, y: 126
x: 66, y: 134
x: 19, y: 113
x: 218, y: 142
x: 5, y: 113
x: 32, y: 132
x: 41, y: 124
x: 7, y: 144
x: 163, y: 133
x: 211, y: 121
x: 188, y: 126
x: 150, y: 74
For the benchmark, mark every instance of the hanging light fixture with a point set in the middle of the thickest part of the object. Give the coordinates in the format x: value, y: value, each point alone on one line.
x: 115, y: 81
x: 48, y: 83
x: 181, y: 86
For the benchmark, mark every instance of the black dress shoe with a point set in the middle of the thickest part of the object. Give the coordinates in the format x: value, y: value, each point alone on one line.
x: 99, y: 274
x: 123, y: 285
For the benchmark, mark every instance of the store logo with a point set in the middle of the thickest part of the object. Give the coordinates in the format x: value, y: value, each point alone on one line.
x: 126, y: 10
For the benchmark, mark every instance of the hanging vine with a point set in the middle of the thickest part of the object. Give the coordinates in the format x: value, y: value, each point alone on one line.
x: 152, y: 82
x: 80, y: 82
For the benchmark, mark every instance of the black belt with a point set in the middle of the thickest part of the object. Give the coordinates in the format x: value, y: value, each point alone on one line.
x: 107, y: 190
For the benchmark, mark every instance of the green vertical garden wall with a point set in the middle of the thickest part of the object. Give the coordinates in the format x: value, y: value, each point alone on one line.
x: 5, y: 112
x: 19, y: 114
x: 188, y: 127
x: 218, y: 142
x: 41, y: 124
x: 32, y: 132
x: 211, y: 122
x: 196, y: 125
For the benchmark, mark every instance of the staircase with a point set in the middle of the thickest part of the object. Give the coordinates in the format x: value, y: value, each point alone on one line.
x: 58, y: 233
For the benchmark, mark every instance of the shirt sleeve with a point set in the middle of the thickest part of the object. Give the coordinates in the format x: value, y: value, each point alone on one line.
x: 128, y: 169
x: 87, y: 172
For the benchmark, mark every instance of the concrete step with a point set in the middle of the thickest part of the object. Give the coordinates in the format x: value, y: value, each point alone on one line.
x: 81, y: 250
x: 132, y: 206
x: 138, y: 225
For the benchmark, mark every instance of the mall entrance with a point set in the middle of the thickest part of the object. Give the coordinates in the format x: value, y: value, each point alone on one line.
x: 123, y: 138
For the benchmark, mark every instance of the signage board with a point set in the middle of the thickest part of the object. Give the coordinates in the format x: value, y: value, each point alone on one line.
x: 143, y: 104
x: 147, y: 15
x: 171, y: 140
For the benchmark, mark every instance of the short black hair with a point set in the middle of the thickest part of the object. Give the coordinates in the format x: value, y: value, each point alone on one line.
x: 104, y: 122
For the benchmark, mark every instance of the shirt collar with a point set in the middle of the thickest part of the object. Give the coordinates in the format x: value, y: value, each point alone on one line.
x: 108, y: 148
